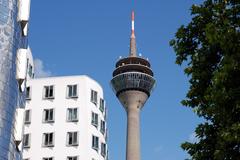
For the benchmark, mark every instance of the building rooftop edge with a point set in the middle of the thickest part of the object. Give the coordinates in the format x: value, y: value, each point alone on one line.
x: 68, y: 76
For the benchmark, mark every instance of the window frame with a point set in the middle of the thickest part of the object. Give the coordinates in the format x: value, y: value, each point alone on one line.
x: 68, y: 91
x: 28, y: 93
x: 102, y: 105
x: 94, y: 119
x: 103, y: 127
x: 48, y: 158
x: 28, y: 121
x: 72, y: 110
x: 49, y: 113
x: 46, y: 95
x: 73, y: 134
x: 48, y: 144
x: 28, y: 135
x: 30, y: 70
x: 96, y: 148
x: 103, y: 151
x: 72, y: 157
x: 94, y: 97
x: 105, y: 114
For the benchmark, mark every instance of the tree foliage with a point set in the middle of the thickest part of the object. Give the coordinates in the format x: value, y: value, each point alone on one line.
x: 210, y: 46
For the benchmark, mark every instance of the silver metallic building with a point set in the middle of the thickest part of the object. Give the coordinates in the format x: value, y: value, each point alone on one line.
x: 13, y: 36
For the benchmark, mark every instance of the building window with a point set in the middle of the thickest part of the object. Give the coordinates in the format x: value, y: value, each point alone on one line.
x: 48, y: 139
x: 103, y: 149
x: 28, y: 93
x: 72, y: 158
x: 105, y: 114
x: 106, y: 135
x: 95, y: 119
x: 27, y: 117
x: 72, y: 138
x: 95, y: 143
x: 102, y: 106
x: 48, y: 158
x: 94, y: 96
x: 102, y: 128
x: 72, y: 114
x: 48, y: 115
x: 72, y: 91
x: 49, y: 92
x: 30, y: 70
x: 26, y: 140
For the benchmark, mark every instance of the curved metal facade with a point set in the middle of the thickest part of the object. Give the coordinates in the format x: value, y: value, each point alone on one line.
x: 10, y: 40
x: 133, y: 81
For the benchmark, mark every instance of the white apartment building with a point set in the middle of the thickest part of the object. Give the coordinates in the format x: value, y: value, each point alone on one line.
x: 65, y: 119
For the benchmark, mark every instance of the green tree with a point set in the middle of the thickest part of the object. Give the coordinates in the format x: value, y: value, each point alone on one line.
x: 210, y: 47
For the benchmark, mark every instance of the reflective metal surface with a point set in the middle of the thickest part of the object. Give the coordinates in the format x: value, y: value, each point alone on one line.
x: 10, y: 40
x: 133, y: 81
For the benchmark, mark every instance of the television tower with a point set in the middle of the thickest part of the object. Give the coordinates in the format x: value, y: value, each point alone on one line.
x: 132, y: 83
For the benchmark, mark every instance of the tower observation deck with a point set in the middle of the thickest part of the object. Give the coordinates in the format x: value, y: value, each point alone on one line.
x: 132, y: 83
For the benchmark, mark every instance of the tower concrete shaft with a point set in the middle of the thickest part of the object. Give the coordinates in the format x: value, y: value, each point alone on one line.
x: 133, y: 133
x: 133, y: 49
x: 133, y: 101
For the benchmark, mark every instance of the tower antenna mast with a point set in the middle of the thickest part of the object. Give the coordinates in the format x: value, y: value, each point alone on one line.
x: 133, y: 48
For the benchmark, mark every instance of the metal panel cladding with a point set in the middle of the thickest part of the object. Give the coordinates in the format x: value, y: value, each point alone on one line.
x: 11, y: 40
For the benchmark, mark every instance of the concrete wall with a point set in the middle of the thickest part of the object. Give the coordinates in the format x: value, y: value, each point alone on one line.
x: 60, y: 127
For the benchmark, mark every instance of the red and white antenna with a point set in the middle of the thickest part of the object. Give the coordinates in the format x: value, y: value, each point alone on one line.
x: 133, y: 49
x: 132, y: 35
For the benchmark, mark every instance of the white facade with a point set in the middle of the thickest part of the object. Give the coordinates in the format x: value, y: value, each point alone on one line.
x: 19, y: 113
x: 24, y: 67
x: 62, y: 116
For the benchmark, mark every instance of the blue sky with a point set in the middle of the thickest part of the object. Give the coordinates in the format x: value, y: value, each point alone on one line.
x: 87, y: 37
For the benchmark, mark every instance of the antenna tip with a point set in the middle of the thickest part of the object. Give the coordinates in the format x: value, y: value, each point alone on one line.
x: 132, y: 15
